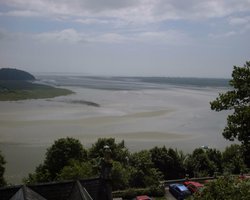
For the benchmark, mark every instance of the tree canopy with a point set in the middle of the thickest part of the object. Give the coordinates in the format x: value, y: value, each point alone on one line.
x: 169, y: 162
x: 119, y: 151
x: 59, y: 155
x: 15, y: 74
x: 62, y: 152
x: 233, y: 159
x: 228, y: 187
x: 238, y: 100
x: 66, y: 159
x: 201, y: 163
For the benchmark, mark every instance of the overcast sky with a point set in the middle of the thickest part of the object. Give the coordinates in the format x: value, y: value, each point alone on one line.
x: 184, y: 38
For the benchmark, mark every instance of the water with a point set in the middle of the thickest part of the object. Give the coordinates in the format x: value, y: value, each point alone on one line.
x: 134, y: 83
x: 143, y: 111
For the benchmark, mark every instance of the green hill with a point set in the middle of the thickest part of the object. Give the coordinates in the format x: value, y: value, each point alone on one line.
x: 16, y: 85
x: 15, y: 74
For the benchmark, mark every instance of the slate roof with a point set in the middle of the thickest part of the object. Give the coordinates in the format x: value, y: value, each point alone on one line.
x: 67, y: 190
x: 25, y: 193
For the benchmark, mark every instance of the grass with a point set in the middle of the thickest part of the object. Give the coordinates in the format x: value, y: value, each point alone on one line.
x: 21, y: 90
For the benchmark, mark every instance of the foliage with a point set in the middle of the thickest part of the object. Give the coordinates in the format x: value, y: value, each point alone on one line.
x: 198, y: 164
x: 233, y: 159
x: 238, y: 100
x: 76, y: 170
x: 119, y: 151
x: 67, y: 159
x: 227, y: 188
x: 120, y: 176
x: 2, y: 169
x: 169, y: 162
x: 215, y: 156
x: 59, y: 155
x: 143, y: 173
x: 19, y: 90
x: 131, y: 193
x: 62, y: 152
x: 41, y: 175
x: 15, y: 74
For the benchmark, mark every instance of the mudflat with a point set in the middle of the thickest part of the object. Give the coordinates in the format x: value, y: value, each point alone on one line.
x: 179, y: 118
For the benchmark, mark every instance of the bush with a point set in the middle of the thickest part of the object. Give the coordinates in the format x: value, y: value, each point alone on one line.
x: 133, y: 192
x: 228, y: 187
x: 59, y: 155
x: 120, y: 176
x: 76, y: 170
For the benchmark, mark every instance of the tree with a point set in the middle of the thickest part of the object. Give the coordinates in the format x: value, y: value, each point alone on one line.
x: 233, y: 161
x: 41, y: 175
x: 215, y: 156
x: 59, y: 155
x: 169, y: 162
x: 238, y: 100
x: 120, y: 176
x: 225, y: 188
x: 15, y: 74
x: 76, y: 170
x: 143, y: 173
x: 2, y: 169
x: 62, y: 152
x: 198, y: 164
x: 119, y: 151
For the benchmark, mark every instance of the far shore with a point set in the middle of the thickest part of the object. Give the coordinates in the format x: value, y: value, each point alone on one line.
x: 23, y: 90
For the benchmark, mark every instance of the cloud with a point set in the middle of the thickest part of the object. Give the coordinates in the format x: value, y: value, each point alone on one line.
x: 96, y: 6
x: 129, y: 11
x: 20, y: 13
x: 239, y: 26
x: 222, y: 35
x: 70, y: 36
x: 172, y: 37
x: 2, y: 35
x: 113, y: 38
x: 92, y: 21
x: 11, y: 36
x: 239, y: 20
x: 130, y: 21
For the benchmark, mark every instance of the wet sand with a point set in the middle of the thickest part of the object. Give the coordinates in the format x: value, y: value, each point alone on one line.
x: 179, y: 118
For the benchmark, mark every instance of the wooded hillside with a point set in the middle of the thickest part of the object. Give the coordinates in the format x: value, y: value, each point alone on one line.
x: 15, y: 74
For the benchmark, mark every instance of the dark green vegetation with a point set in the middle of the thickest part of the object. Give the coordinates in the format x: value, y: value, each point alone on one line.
x: 14, y: 85
x: 2, y: 169
x: 20, y: 90
x: 238, y: 100
x: 67, y: 159
x: 15, y: 74
x: 136, y: 173
x: 228, y: 188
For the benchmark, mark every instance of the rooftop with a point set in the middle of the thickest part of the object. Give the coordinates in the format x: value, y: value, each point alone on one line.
x: 67, y: 190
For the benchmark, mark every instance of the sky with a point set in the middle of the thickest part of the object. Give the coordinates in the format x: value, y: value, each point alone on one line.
x: 184, y: 38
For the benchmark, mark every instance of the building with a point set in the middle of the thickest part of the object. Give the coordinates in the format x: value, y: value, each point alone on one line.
x: 87, y: 189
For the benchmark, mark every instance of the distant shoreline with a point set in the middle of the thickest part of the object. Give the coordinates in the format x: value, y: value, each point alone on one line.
x: 23, y: 90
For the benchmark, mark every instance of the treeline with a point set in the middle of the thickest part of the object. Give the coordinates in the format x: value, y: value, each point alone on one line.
x: 15, y: 74
x: 225, y: 187
x: 67, y: 159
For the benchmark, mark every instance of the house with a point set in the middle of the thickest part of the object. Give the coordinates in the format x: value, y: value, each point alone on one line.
x: 87, y: 189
